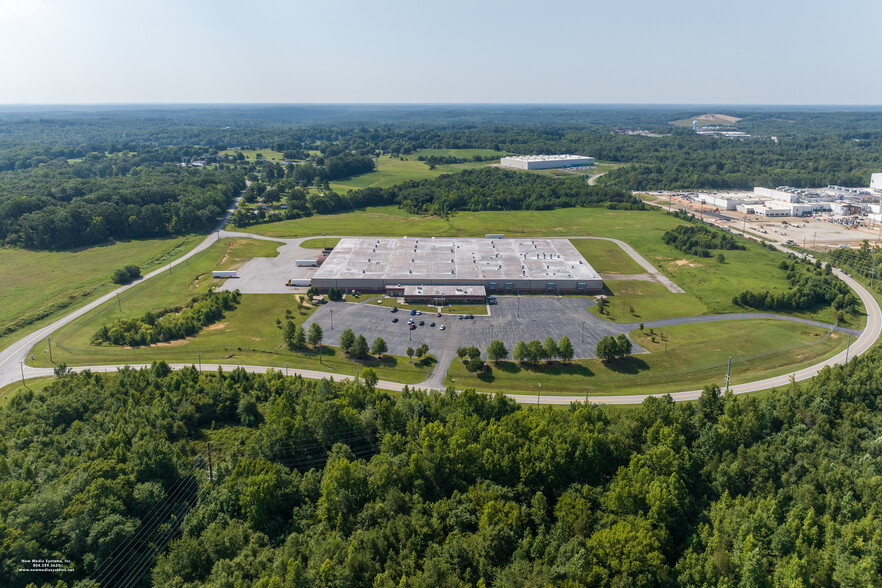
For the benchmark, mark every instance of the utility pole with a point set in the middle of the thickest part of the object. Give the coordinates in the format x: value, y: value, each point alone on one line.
x: 210, y: 468
x: 118, y: 305
x: 332, y: 320
x: 21, y: 365
x: 847, y: 347
x: 728, y: 371
x: 199, y: 355
x: 49, y: 339
x: 586, y: 394
x: 286, y: 370
x: 666, y: 340
x: 538, y: 394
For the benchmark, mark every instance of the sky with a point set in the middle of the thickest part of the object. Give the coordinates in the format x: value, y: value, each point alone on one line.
x: 447, y: 51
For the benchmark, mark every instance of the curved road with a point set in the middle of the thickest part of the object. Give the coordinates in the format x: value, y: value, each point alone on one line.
x: 12, y: 359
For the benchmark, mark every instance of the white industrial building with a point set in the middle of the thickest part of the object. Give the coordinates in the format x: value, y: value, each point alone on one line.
x: 545, y: 161
x: 373, y: 264
x: 876, y: 181
x: 726, y: 202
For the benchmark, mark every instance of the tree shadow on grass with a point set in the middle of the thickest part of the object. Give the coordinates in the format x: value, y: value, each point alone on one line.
x: 554, y: 368
x: 629, y: 365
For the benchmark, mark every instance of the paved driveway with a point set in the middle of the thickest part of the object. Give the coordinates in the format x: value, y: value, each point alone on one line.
x: 534, y: 317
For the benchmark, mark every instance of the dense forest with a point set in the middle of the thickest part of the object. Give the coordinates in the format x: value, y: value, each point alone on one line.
x: 800, y: 147
x: 324, y: 483
x: 61, y: 204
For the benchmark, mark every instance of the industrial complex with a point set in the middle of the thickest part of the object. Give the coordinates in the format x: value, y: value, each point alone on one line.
x: 863, y: 204
x: 449, y: 268
x: 545, y: 161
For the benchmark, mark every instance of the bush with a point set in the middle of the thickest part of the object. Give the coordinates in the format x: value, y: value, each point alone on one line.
x: 126, y: 274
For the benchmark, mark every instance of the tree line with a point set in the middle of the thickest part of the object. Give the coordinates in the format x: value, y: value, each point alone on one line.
x: 699, y: 240
x: 170, y: 323
x: 811, y: 286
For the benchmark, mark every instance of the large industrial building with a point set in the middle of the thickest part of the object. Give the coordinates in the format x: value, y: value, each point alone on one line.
x: 876, y: 181
x: 545, y: 161
x: 520, y: 265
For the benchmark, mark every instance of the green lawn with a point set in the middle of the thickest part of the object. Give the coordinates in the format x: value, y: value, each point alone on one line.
x: 606, y: 257
x: 453, y: 309
x: 320, y: 243
x: 634, y: 301
x: 247, y: 335
x: 458, y: 153
x: 390, y: 171
x: 251, y: 154
x: 713, y: 284
x: 696, y: 355
x: 34, y: 385
x: 41, y: 286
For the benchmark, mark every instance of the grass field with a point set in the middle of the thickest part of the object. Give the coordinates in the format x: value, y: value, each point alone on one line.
x: 251, y: 154
x: 37, y: 287
x: 454, y: 309
x: 713, y: 284
x: 34, y: 385
x: 247, y: 335
x: 391, y: 171
x: 320, y: 243
x: 606, y: 257
x: 634, y: 301
x: 696, y: 356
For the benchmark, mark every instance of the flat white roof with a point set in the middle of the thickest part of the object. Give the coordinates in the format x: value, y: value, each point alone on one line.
x: 469, y: 290
x: 440, y: 259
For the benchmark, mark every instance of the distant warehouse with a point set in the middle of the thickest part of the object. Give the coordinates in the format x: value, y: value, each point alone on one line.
x: 545, y: 161
x: 446, y: 267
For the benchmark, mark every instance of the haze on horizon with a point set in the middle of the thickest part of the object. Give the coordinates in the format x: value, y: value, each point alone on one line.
x: 392, y: 51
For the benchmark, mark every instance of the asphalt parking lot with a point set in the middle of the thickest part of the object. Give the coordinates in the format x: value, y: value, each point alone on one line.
x: 534, y: 317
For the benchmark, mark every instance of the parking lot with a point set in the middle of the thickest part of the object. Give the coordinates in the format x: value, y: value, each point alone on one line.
x: 533, y: 317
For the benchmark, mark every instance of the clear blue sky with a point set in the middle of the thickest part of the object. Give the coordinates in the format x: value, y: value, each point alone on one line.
x: 633, y: 51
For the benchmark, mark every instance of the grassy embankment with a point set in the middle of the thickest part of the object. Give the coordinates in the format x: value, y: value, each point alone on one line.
x: 39, y: 287
x: 247, y: 335
x: 710, y: 285
x: 320, y: 243
x: 696, y: 356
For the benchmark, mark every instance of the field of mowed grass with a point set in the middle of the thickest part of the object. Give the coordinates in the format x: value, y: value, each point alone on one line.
x: 33, y: 385
x: 606, y: 257
x: 634, y: 301
x: 390, y: 171
x: 697, y: 355
x: 251, y: 154
x: 712, y: 283
x: 396, y: 170
x: 247, y: 335
x: 320, y: 243
x: 37, y: 287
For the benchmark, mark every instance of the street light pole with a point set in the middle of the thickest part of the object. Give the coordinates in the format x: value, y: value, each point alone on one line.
x: 586, y: 394
x: 199, y: 355
x: 538, y: 394
x: 21, y: 365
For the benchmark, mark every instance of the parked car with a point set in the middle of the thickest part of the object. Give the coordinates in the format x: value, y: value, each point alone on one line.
x: 460, y: 317
x: 394, y: 309
x: 422, y: 323
x: 431, y: 324
x: 412, y: 311
x: 412, y: 326
x: 419, y: 312
x: 395, y: 320
x: 443, y: 327
x: 438, y: 315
